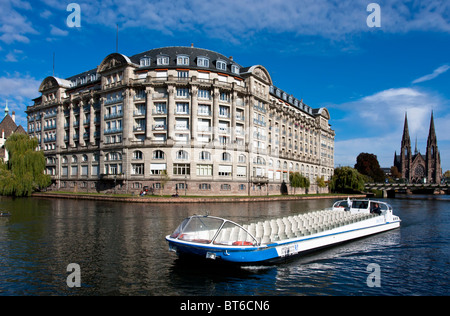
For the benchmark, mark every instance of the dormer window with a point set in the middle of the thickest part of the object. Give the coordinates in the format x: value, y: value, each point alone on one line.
x: 182, y: 60
x: 203, y: 62
x: 235, y: 69
x: 145, y: 61
x: 221, y: 65
x: 162, y: 60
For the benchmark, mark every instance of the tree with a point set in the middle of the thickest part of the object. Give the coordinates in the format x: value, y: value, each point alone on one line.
x: 347, y: 180
x: 367, y: 164
x: 320, y: 182
x: 297, y: 180
x: 24, y: 171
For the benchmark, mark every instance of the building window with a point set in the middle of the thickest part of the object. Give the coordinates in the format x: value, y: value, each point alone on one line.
x: 204, y: 170
x: 241, y: 159
x: 183, y: 74
x: 157, y: 168
x: 181, y: 169
x: 182, y: 60
x: 204, y: 186
x: 162, y: 60
x: 182, y: 92
x: 158, y: 154
x: 204, y: 94
x: 137, y: 169
x: 225, y: 171
x: 202, y: 62
x: 137, y: 155
x: 241, y: 187
x: 221, y: 65
x: 145, y: 61
x: 225, y: 187
x: 226, y: 156
x: 235, y: 69
x: 182, y: 155
x: 182, y: 108
x: 204, y: 155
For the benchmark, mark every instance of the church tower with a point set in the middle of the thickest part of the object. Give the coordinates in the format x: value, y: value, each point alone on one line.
x: 433, y: 160
x: 405, y: 154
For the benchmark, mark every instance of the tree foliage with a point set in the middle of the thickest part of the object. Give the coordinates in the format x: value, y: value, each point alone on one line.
x: 24, y: 171
x: 367, y: 164
x: 347, y: 180
x: 297, y: 180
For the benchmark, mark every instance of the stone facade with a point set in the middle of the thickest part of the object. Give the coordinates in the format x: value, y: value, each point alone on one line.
x: 178, y: 120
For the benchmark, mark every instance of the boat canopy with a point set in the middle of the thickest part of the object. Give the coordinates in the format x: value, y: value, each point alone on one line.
x: 209, y: 229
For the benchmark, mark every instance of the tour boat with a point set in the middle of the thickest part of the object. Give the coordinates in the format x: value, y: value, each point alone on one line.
x: 219, y: 239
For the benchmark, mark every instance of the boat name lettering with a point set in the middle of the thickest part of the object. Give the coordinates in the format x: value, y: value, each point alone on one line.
x: 289, y: 250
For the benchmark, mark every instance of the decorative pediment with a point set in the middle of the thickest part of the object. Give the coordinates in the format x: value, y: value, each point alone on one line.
x: 261, y: 72
x: 113, y: 61
x: 53, y: 83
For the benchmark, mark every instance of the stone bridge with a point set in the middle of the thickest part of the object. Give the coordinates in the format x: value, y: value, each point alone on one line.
x: 389, y: 189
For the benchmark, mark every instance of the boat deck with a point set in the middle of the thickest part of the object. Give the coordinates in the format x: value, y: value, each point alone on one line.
x: 274, y: 230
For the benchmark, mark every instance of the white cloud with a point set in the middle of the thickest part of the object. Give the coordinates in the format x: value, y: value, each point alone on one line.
x: 57, y: 31
x: 12, y: 56
x: 236, y: 19
x: 440, y: 70
x: 19, y: 90
x: 14, y: 27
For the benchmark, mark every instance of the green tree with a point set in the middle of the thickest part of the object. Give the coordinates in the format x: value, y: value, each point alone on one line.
x: 297, y: 180
x: 367, y: 164
x: 347, y: 180
x: 24, y: 171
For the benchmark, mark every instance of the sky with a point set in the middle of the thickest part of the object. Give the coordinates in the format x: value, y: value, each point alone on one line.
x: 369, y: 63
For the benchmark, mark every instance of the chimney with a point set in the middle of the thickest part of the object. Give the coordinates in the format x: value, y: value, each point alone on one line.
x: 14, y: 116
x: 192, y: 45
x: 3, y: 134
x: 231, y: 58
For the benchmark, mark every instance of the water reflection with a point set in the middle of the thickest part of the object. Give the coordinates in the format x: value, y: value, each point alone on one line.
x: 121, y: 250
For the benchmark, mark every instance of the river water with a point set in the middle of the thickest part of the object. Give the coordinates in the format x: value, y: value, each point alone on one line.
x: 121, y: 250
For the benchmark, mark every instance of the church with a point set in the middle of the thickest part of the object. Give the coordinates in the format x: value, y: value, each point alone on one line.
x: 417, y: 167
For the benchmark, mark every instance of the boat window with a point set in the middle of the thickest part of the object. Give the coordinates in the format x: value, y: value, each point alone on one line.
x: 201, y: 229
x: 341, y: 204
x: 360, y: 204
x: 179, y: 228
x: 234, y: 235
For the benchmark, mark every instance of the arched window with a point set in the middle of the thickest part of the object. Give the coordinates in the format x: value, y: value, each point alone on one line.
x: 242, y: 158
x: 74, y: 158
x: 182, y: 155
x: 137, y: 155
x: 204, y: 155
x: 226, y: 156
x: 158, y: 154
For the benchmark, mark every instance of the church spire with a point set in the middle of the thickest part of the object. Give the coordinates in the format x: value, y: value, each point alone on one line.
x: 6, y: 109
x: 406, y: 141
x: 432, y: 132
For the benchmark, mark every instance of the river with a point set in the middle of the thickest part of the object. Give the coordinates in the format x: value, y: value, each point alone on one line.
x: 121, y: 250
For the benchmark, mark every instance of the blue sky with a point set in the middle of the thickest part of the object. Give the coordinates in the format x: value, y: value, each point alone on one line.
x: 321, y: 51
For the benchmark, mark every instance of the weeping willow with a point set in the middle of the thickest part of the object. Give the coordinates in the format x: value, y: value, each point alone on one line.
x: 23, y: 173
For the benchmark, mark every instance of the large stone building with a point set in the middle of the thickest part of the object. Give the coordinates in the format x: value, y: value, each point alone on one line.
x: 419, y: 168
x: 187, y: 119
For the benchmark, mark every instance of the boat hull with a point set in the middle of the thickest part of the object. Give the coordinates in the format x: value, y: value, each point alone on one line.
x: 282, y: 249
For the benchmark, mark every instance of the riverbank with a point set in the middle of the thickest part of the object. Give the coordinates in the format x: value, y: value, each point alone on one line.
x: 188, y: 199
